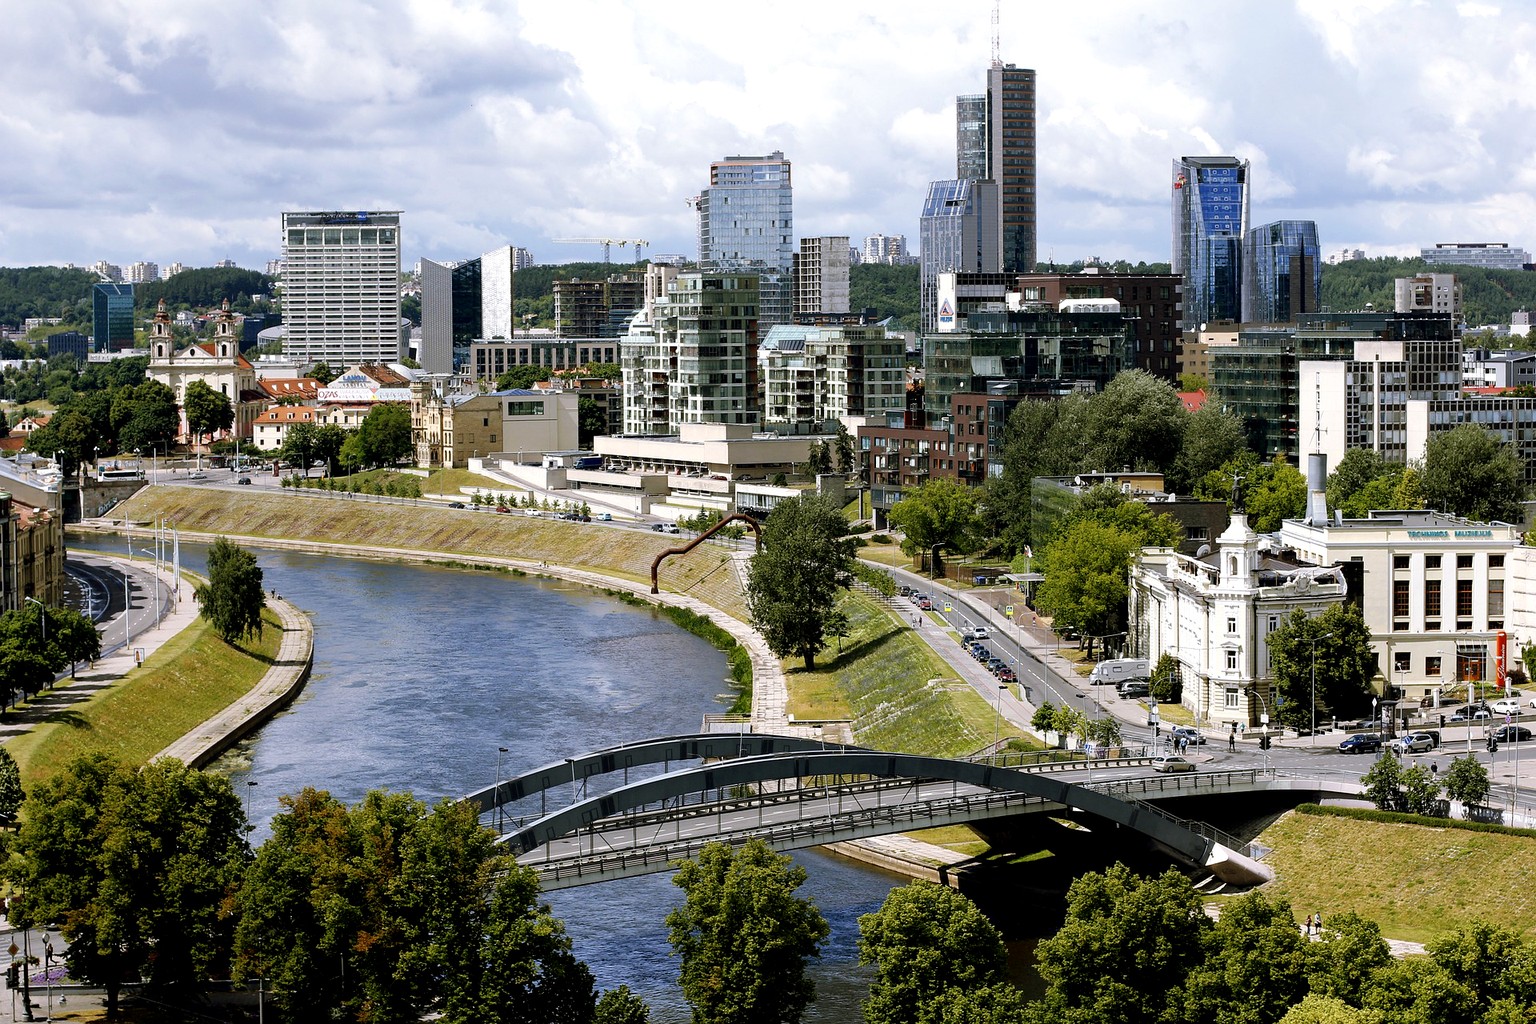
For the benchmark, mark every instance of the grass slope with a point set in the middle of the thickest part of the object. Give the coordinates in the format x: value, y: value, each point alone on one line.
x: 1415, y: 881
x: 706, y: 572
x: 188, y: 680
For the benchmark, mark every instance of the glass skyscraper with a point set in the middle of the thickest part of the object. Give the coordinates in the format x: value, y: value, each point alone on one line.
x: 746, y: 223
x: 112, y: 316
x: 959, y: 234
x: 462, y: 303
x: 1282, y: 271
x: 1011, y: 161
x: 971, y: 137
x: 1210, y: 218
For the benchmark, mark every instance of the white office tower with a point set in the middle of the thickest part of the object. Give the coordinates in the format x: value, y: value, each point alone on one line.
x: 341, y: 288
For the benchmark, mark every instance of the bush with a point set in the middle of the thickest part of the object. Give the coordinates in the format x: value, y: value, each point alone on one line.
x: 1167, y: 681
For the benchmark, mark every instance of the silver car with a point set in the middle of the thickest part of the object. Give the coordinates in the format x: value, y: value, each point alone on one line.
x: 1414, y: 743
x: 1171, y: 763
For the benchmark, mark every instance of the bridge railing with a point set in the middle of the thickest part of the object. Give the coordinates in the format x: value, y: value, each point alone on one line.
x: 1196, y: 781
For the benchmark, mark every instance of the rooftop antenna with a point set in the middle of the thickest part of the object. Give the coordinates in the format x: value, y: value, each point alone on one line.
x: 997, y: 44
x: 1317, y: 413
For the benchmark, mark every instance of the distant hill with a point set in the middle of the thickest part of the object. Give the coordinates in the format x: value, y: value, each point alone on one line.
x: 27, y: 292
x: 1488, y: 296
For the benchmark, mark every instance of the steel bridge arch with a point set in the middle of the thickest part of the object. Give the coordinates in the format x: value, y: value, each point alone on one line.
x: 642, y: 753
x: 1183, y: 843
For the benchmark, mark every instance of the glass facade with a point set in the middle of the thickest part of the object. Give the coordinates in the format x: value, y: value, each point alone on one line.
x: 1210, y: 218
x: 971, y: 137
x: 746, y: 222
x: 958, y: 234
x: 1493, y: 255
x: 341, y: 287
x: 1011, y: 162
x: 1282, y: 271
x: 112, y: 316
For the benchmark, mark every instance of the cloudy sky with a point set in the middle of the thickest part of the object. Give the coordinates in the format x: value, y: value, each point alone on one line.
x: 177, y: 131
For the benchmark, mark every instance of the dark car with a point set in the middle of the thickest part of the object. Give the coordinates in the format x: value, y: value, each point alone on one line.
x: 1360, y: 743
x: 242, y: 480
x: 1511, y: 734
x: 455, y: 504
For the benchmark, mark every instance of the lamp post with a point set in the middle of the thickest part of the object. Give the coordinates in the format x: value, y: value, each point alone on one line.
x: 42, y: 615
x: 1312, y: 737
x: 1263, y: 724
x: 997, y: 723
x: 48, y: 971
x: 155, y: 561
x: 250, y: 784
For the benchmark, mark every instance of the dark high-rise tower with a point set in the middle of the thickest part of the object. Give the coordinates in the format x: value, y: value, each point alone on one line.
x: 1011, y: 160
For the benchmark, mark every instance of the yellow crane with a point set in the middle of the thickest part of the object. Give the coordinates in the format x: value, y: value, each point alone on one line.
x: 638, y: 243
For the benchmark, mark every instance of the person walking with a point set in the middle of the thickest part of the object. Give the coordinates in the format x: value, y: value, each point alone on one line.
x: 1232, y: 740
x: 1309, y: 925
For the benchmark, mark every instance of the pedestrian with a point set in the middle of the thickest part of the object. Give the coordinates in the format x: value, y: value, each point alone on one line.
x: 1434, y: 769
x: 1232, y: 740
x: 1308, y: 930
x: 1317, y: 922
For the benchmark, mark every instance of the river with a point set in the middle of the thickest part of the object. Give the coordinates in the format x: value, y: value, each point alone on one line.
x: 422, y: 673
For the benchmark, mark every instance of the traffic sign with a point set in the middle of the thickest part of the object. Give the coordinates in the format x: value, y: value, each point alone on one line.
x: 1008, y: 611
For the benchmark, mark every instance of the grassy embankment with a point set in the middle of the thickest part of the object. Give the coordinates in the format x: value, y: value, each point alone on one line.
x: 705, y: 572
x: 188, y: 680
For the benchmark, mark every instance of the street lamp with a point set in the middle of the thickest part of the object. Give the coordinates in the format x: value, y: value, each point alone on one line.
x: 250, y: 784
x: 1263, y: 723
x: 1312, y: 737
x: 997, y: 724
x: 42, y: 615
x: 156, y: 585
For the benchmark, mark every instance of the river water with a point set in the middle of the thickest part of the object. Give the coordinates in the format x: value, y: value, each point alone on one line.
x: 422, y: 673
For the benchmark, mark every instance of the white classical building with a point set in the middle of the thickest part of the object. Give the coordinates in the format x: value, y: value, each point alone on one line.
x: 217, y: 364
x: 1213, y: 614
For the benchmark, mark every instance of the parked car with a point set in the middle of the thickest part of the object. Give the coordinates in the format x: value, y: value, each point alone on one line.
x: 980, y: 652
x: 1187, y: 732
x: 503, y: 509
x: 1360, y: 743
x: 1511, y: 734
x: 968, y: 635
x: 1414, y: 743
x: 1171, y: 763
x: 982, y: 633
x: 605, y: 517
x: 1007, y: 675
x: 455, y: 504
x: 1507, y: 706
x: 925, y: 603
x: 1135, y: 689
x: 995, y: 665
x: 904, y: 590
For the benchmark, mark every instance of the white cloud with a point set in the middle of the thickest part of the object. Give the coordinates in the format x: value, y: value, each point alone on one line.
x: 173, y: 130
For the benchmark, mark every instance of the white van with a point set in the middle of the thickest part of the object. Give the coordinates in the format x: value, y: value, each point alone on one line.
x: 1119, y: 670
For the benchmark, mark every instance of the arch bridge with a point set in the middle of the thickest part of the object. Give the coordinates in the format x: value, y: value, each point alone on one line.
x: 796, y: 793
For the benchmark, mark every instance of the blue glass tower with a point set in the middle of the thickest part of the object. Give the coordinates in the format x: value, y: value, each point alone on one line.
x: 112, y: 316
x: 1282, y: 271
x: 959, y: 234
x: 1210, y: 218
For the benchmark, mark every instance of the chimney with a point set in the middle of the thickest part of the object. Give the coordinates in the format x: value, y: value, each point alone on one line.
x: 1317, y: 490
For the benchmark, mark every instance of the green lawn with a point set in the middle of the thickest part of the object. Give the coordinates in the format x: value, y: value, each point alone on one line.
x: 899, y: 693
x: 1414, y: 881
x: 188, y: 680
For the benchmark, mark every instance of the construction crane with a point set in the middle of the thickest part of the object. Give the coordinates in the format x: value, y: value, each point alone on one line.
x: 638, y: 243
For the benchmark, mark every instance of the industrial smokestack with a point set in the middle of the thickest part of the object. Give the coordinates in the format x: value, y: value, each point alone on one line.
x: 1317, y: 490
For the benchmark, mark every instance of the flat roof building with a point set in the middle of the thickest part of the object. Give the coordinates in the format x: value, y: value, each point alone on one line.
x: 341, y: 287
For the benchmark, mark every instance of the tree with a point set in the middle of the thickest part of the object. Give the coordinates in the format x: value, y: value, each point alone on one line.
x: 925, y: 941
x: 1126, y: 945
x: 621, y: 1006
x: 1468, y: 472
x: 591, y: 420
x: 1278, y: 491
x: 1384, y: 784
x: 74, y: 636
x: 207, y: 411
x: 1254, y: 965
x: 23, y: 669
x: 1321, y: 1009
x: 1193, y: 382
x: 520, y: 378
x: 11, y: 793
x: 744, y: 936
x: 385, y: 434
x: 1085, y: 584
x: 1136, y: 422
x: 1482, y: 958
x: 1466, y: 781
x: 1421, y: 791
x: 843, y: 446
x: 938, y: 514
x: 1211, y: 439
x: 1345, y: 663
x: 819, y: 458
x: 233, y: 598
x: 145, y: 416
x: 1167, y: 683
x: 329, y: 438
x: 323, y: 373
x: 134, y: 864
x: 1340, y: 963
x: 794, y: 580
x: 299, y: 446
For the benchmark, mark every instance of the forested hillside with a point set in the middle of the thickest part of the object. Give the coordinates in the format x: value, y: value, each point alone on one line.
x: 202, y: 288
x: 888, y: 290
x: 1488, y: 296
x: 44, y: 291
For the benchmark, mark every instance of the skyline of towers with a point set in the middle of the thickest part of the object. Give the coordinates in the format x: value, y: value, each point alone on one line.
x: 1210, y: 219
x: 1282, y: 271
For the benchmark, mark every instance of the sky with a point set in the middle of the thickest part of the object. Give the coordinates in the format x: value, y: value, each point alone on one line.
x: 173, y: 130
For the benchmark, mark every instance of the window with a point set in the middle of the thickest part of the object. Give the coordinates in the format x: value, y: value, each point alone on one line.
x: 1400, y: 603
x: 1233, y: 696
x: 1495, y: 600
x: 1463, y: 603
x: 1274, y: 624
x: 1463, y: 561
x: 1495, y: 561
x: 1432, y: 666
x: 1402, y: 661
x: 1431, y: 561
x: 1231, y: 661
x: 1231, y: 624
x: 1399, y: 561
x: 1432, y: 599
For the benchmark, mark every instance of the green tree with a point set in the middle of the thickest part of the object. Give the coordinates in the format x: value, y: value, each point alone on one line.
x: 1211, y: 439
x: 926, y: 940
x: 1481, y: 957
x: 1468, y: 472
x: 323, y: 373
x: 591, y: 421
x: 819, y: 457
x: 145, y: 416
x: 1085, y: 583
x: 233, y: 598
x: 1044, y: 717
x: 621, y: 1006
x: 1339, y: 964
x: 1193, y: 382
x: 793, y: 582
x: 207, y: 411
x: 1278, y: 491
x: 1254, y: 967
x: 1041, y: 438
x: 11, y: 793
x: 520, y: 378
x: 744, y: 936
x: 1106, y: 505
x: 1413, y: 990
x: 1383, y: 784
x: 1167, y: 683
x: 23, y: 668
x: 1345, y: 664
x: 70, y: 437
x: 1127, y: 945
x: 74, y: 636
x: 1321, y: 1009
x: 329, y: 438
x: 385, y: 434
x: 843, y: 446
x: 938, y: 514
x: 134, y: 864
x: 1421, y: 791
x: 299, y: 446
x: 1136, y: 422
x: 1466, y: 781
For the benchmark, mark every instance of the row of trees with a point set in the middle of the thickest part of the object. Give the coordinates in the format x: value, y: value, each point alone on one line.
x: 36, y: 643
